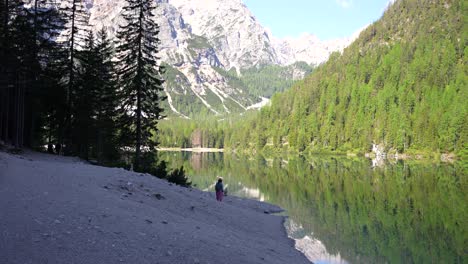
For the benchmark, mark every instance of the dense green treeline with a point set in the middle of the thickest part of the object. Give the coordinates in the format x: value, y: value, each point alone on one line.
x: 407, y: 212
x: 211, y: 131
x: 402, y: 83
x: 264, y: 81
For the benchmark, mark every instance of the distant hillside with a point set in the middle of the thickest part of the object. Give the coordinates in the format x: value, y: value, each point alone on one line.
x: 401, y: 84
x: 245, y: 88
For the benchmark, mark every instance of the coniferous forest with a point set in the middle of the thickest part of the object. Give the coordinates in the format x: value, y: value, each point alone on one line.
x: 72, y: 91
x: 401, y: 85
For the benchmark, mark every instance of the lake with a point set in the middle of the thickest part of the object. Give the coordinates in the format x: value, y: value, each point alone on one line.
x: 347, y: 210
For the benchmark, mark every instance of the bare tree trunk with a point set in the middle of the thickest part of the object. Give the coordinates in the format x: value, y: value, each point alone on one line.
x: 4, y: 83
x: 22, y: 90
x: 68, y: 118
x: 138, y: 127
x: 2, y: 110
x: 7, y: 115
x: 15, y: 123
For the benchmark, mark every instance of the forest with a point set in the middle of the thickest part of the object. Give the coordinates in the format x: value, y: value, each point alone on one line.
x: 402, y: 84
x: 69, y: 90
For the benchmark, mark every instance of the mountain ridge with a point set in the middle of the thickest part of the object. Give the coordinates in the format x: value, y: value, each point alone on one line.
x: 201, y: 43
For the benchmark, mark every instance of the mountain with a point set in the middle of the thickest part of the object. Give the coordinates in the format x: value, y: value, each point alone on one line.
x: 401, y: 87
x: 207, y: 47
x: 308, y: 48
x: 239, y: 39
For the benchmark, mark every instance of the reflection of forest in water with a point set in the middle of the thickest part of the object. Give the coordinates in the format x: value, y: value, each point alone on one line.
x: 407, y: 212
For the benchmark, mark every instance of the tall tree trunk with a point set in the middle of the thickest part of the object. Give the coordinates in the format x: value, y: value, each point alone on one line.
x: 7, y: 115
x: 22, y: 90
x: 3, y: 104
x: 16, y: 117
x: 5, y: 97
x: 68, y: 118
x: 138, y: 134
x: 139, y: 88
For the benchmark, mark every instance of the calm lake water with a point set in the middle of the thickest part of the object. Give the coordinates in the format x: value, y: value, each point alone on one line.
x: 345, y: 210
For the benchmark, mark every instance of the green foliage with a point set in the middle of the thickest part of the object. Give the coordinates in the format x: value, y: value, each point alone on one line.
x: 270, y: 79
x: 402, y: 83
x: 197, y: 43
x: 140, y: 76
x: 178, y: 177
x: 266, y: 80
x: 178, y: 132
x: 263, y: 81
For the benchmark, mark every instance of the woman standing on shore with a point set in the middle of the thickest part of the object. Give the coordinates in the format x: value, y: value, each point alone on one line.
x: 219, y: 188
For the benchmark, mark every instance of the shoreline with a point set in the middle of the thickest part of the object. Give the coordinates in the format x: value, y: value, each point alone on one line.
x: 61, y: 209
x: 196, y: 150
x: 449, y: 157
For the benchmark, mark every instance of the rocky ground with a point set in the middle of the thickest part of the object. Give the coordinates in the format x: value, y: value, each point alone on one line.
x: 63, y: 210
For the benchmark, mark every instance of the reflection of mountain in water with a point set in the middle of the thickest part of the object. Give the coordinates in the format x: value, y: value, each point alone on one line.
x: 406, y: 212
x: 311, y: 247
x: 250, y: 193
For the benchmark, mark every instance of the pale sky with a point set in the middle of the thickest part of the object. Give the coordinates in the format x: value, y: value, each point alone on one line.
x: 327, y: 19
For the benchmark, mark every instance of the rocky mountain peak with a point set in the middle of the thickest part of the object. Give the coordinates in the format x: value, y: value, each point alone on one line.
x: 230, y: 28
x: 307, y: 47
x: 202, y: 41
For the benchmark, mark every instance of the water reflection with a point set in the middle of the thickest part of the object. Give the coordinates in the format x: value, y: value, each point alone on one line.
x: 310, y: 246
x: 345, y: 210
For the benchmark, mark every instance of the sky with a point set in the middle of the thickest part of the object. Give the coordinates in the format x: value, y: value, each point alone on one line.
x: 327, y: 19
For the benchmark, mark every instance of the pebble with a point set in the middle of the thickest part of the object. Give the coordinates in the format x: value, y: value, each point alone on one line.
x: 159, y: 196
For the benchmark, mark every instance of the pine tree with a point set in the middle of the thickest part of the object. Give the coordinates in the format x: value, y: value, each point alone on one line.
x: 8, y: 92
x: 96, y: 100
x: 77, y: 18
x: 85, y: 97
x: 108, y: 96
x: 35, y: 29
x: 140, y: 75
x: 46, y: 98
